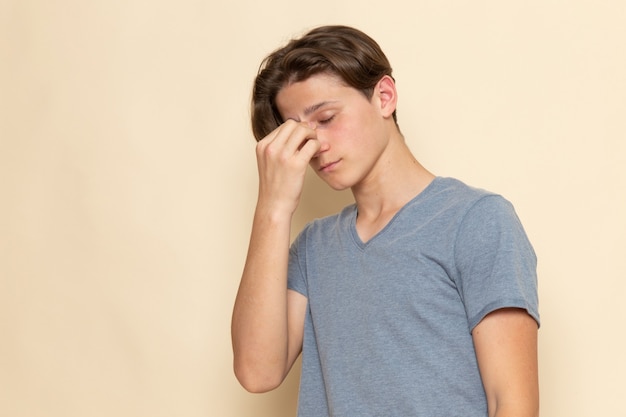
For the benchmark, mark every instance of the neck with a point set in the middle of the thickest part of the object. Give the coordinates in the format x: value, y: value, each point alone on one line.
x: 397, y: 178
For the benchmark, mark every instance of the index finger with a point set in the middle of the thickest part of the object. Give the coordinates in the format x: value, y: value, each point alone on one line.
x: 309, y: 149
x: 296, y: 135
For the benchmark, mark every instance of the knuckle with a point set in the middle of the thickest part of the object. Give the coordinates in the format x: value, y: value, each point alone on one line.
x: 260, y: 147
x: 269, y: 151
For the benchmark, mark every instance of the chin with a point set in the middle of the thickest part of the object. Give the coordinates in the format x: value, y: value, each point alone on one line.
x: 336, y: 182
x: 336, y: 185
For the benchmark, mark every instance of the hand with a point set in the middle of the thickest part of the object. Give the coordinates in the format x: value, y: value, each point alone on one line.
x: 282, y: 158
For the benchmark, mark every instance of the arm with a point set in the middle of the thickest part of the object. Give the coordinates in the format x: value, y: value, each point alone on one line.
x: 506, y: 349
x: 268, y: 319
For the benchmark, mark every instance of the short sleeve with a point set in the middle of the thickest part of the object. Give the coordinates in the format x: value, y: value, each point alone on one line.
x: 496, y: 264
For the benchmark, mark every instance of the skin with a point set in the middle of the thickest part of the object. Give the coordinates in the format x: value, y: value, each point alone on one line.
x: 350, y: 141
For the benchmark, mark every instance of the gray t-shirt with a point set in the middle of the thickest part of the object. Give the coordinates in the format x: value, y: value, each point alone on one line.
x: 388, y: 325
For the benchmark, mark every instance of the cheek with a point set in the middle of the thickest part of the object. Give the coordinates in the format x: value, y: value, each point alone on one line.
x: 352, y: 130
x: 345, y: 132
x: 356, y: 134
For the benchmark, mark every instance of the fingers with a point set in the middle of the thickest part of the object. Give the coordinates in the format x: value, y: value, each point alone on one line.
x: 291, y: 139
x: 283, y: 157
x: 309, y: 149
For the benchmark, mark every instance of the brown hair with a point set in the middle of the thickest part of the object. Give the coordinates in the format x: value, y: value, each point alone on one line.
x: 339, y: 50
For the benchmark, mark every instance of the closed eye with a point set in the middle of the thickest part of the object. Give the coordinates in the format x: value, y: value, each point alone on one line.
x: 326, y: 121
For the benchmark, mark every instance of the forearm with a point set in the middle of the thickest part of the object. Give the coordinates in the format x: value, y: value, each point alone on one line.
x: 265, y: 341
x: 259, y: 323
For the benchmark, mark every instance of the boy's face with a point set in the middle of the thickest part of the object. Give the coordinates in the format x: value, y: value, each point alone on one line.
x: 353, y: 131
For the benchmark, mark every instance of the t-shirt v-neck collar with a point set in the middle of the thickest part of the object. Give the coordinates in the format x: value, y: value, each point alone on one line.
x: 354, y: 212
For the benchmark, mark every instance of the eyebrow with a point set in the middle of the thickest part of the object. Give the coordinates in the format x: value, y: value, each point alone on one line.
x: 315, y: 107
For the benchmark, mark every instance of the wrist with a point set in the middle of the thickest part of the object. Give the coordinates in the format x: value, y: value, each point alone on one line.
x: 274, y: 212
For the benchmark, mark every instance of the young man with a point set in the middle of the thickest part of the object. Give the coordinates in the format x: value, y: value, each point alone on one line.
x: 418, y: 300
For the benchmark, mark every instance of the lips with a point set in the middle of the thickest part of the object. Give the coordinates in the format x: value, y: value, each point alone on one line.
x: 325, y: 167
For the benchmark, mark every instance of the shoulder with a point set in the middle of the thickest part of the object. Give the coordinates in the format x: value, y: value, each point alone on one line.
x: 478, y: 217
x: 490, y: 224
x: 468, y: 199
x: 321, y: 228
x: 458, y: 191
x: 332, y: 222
x: 449, y: 200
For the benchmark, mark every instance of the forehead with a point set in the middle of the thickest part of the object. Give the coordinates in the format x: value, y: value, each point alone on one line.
x: 304, y: 97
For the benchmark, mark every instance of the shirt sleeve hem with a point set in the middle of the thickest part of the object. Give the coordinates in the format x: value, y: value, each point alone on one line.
x: 490, y: 308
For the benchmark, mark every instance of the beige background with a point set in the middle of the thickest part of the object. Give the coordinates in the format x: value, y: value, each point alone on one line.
x: 128, y: 181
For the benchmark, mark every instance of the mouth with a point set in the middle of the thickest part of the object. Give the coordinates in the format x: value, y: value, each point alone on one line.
x: 327, y: 167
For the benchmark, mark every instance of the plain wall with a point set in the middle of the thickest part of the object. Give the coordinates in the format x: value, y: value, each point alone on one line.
x: 128, y: 183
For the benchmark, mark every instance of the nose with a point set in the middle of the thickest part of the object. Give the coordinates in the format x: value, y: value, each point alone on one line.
x: 324, y: 144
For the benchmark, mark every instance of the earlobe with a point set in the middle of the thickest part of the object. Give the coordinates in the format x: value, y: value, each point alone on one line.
x: 387, y: 95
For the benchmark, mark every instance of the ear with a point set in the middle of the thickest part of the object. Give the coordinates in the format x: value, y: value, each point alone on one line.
x: 387, y: 95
